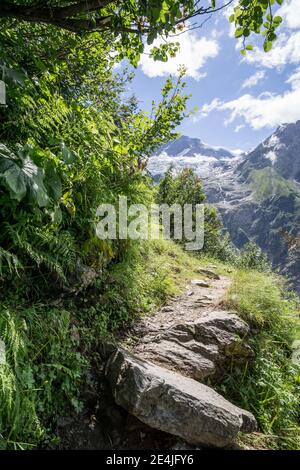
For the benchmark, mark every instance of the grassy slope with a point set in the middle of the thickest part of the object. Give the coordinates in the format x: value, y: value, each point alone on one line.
x: 267, y: 182
x: 50, y: 348
x: 270, y: 386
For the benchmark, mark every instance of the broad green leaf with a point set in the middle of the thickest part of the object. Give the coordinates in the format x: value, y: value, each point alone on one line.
x: 53, y: 182
x: 267, y: 46
x: 239, y: 32
x: 15, y: 181
x: 21, y: 176
x: 69, y: 157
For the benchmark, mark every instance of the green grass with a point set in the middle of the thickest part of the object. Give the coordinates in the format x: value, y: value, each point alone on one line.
x: 51, y: 348
x: 267, y: 182
x: 142, y: 281
x: 42, y: 373
x: 270, y: 385
x: 258, y: 298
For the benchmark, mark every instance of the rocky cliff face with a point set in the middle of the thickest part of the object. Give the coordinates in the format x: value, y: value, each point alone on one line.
x: 281, y: 151
x: 258, y: 194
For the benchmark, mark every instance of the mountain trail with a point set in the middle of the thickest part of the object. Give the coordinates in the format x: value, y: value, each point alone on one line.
x: 196, y: 301
x: 154, y: 391
x: 193, y: 334
x: 159, y: 372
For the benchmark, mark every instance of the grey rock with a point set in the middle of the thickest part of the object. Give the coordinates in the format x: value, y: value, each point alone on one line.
x: 189, y: 293
x: 209, y: 273
x: 201, y: 303
x: 167, y: 308
x: 207, y: 297
x: 174, y: 404
x: 82, y: 277
x: 225, y: 329
x: 199, y: 283
x: 198, y: 349
x: 191, y: 358
x: 220, y: 319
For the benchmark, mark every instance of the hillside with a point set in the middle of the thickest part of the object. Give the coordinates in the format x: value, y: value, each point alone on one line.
x: 153, y: 298
x: 122, y: 328
x: 257, y: 195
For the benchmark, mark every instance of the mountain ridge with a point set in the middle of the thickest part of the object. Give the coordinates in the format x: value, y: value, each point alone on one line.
x: 190, y: 146
x: 257, y: 194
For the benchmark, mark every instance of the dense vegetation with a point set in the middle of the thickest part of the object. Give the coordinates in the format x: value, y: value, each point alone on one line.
x: 52, y: 347
x: 131, y: 20
x: 78, y: 144
x: 270, y: 386
x: 71, y: 138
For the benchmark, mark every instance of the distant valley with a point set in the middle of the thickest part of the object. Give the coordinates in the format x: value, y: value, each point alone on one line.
x: 257, y: 194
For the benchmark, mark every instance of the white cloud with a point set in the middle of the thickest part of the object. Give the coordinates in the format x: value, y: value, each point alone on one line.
x: 217, y: 33
x: 294, y: 79
x: 239, y: 128
x: 290, y: 12
x: 213, y: 105
x: 286, y: 50
x: 254, y: 79
x: 266, y: 110
x: 193, y: 54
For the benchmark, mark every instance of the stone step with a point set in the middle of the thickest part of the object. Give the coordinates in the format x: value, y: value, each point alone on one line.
x: 170, y: 402
x: 197, y: 349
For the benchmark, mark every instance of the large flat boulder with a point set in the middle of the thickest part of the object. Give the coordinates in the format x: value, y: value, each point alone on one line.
x: 198, y: 349
x: 170, y: 402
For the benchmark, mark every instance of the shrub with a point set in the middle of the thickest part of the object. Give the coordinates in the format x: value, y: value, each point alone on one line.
x: 268, y: 386
x: 186, y: 188
x: 42, y: 373
x: 252, y: 257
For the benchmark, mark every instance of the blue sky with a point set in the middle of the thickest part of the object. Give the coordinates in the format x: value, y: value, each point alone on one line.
x: 240, y: 101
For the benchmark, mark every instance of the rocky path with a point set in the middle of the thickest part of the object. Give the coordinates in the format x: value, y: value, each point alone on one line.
x: 201, y: 296
x: 160, y: 376
x: 192, y: 334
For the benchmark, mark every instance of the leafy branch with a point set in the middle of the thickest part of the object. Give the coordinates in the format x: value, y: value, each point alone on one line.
x: 256, y: 16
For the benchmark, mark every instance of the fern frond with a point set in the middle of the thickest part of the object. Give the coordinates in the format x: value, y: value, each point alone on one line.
x: 8, y: 262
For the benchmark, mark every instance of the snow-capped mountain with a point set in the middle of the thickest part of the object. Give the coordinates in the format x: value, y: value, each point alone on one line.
x: 258, y: 194
x: 189, y: 147
x: 281, y: 151
x: 190, y: 152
